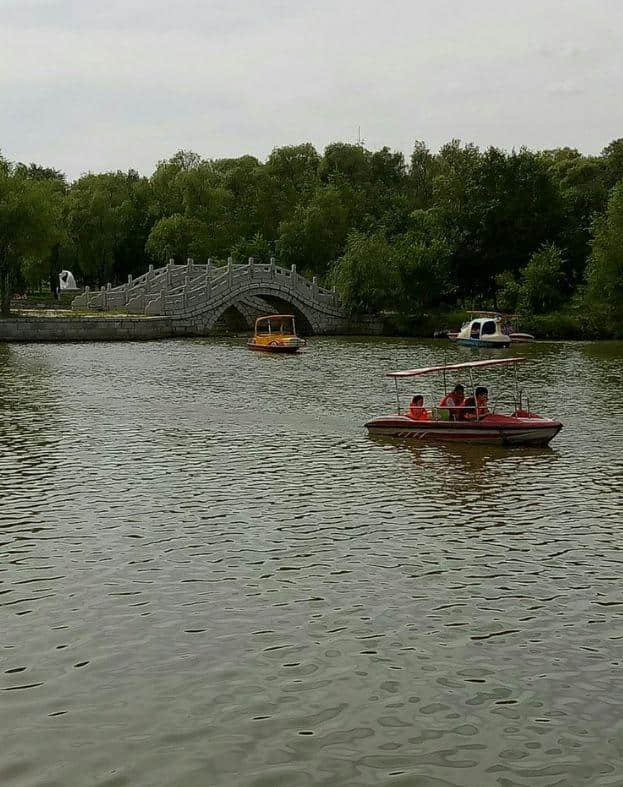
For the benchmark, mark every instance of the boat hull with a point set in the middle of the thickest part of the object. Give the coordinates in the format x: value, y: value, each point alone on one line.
x: 491, y: 343
x: 288, y: 349
x: 492, y: 430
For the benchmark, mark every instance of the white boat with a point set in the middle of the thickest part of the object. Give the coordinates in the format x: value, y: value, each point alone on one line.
x: 482, y: 332
x: 489, y: 329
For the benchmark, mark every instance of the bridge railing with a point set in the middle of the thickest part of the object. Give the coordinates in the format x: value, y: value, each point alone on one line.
x: 151, y: 282
x: 183, y: 289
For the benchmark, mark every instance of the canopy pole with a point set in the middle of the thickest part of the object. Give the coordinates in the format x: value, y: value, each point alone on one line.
x: 397, y: 396
x: 471, y: 381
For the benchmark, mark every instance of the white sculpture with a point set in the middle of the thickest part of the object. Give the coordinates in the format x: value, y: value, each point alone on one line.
x: 67, y: 280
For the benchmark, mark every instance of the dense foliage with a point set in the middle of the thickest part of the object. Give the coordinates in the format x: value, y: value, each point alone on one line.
x: 531, y: 231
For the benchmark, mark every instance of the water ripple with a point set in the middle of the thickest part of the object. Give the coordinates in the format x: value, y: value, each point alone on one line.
x: 202, y: 552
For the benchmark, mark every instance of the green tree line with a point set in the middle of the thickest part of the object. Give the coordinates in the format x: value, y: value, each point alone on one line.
x: 537, y: 232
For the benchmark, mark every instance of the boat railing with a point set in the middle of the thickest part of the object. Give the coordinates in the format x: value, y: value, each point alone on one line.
x: 494, y: 405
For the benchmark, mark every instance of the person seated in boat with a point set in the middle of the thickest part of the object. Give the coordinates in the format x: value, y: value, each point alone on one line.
x: 475, y: 407
x: 452, y: 401
x: 417, y: 411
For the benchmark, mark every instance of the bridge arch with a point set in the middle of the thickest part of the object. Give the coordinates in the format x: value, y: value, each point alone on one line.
x: 311, y: 321
x: 194, y: 296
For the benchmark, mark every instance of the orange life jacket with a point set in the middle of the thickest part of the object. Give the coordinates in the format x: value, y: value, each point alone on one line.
x: 418, y: 413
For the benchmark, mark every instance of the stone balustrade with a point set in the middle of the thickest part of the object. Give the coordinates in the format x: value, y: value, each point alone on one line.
x: 197, y: 294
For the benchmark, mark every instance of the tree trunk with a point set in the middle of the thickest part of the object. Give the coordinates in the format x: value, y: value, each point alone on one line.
x: 54, y: 271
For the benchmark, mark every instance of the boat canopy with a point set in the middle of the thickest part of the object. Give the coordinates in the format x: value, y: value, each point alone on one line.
x: 275, y: 323
x: 455, y: 366
x: 274, y: 317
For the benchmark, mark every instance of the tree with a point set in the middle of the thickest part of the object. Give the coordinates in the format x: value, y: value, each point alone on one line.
x: 36, y: 172
x: 178, y: 237
x: 612, y: 155
x: 295, y: 167
x: 605, y: 269
x: 257, y: 247
x: 101, y: 216
x: 541, y: 290
x: 508, y: 292
x: 387, y: 169
x: 129, y: 254
x: 583, y: 186
x: 29, y: 212
x: 46, y: 267
x: 316, y: 233
x: 424, y: 168
x: 342, y: 161
x: 242, y: 179
x: 408, y: 272
x: 422, y: 258
x: 501, y: 208
x: 207, y: 200
x: 365, y: 276
x: 166, y: 182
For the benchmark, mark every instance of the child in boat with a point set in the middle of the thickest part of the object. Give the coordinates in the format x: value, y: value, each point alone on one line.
x: 417, y: 411
x: 453, y: 401
x: 475, y: 407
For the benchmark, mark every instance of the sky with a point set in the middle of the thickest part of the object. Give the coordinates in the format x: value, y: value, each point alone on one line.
x: 98, y: 85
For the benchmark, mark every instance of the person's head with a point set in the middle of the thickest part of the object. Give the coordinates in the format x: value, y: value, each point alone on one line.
x: 458, y: 391
x: 481, y: 393
x: 418, y: 400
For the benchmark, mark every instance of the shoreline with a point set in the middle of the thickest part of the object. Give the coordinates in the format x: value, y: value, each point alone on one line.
x: 31, y: 326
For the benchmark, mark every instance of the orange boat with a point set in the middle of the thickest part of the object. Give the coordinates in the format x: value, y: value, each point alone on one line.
x: 276, y: 333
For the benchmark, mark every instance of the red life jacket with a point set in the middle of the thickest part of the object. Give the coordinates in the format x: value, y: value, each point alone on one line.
x: 451, y: 404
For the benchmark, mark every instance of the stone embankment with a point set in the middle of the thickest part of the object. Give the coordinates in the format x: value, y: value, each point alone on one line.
x: 84, y: 329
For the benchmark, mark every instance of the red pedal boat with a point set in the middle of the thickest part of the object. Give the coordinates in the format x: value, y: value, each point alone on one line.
x: 520, y: 427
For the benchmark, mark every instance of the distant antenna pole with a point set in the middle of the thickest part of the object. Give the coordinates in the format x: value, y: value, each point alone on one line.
x: 360, y: 139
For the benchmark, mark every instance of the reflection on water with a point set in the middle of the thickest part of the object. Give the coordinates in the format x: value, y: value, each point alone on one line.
x: 457, y: 457
x: 210, y: 574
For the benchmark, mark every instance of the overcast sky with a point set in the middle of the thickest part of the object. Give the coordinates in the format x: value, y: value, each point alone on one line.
x: 112, y: 84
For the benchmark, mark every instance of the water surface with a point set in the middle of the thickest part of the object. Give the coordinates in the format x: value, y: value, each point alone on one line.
x: 211, y: 575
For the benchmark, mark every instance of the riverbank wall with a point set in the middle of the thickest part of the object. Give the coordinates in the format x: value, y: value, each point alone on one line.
x: 123, y: 328
x: 84, y: 329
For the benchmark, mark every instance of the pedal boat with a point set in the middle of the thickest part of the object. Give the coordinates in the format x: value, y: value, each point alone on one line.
x: 520, y: 427
x: 482, y: 332
x: 489, y: 329
x: 276, y: 333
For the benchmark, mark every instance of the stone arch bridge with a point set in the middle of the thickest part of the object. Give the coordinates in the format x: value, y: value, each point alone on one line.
x: 195, y: 296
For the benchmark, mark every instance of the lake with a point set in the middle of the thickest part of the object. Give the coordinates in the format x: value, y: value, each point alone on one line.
x: 211, y: 575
